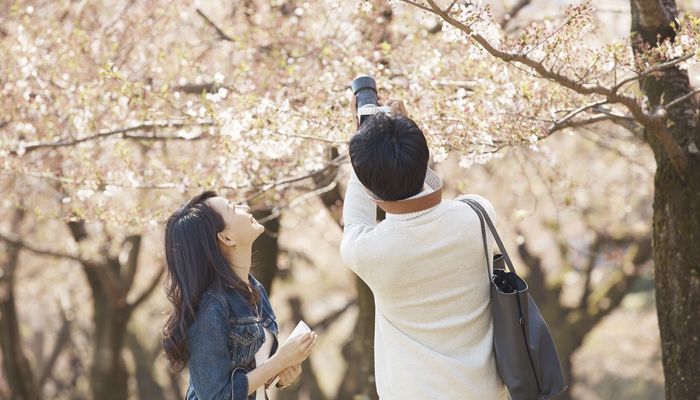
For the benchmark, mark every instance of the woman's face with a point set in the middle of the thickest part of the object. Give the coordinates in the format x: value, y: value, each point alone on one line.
x: 241, y: 228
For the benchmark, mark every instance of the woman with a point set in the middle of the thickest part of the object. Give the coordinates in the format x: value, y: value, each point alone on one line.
x: 222, y: 325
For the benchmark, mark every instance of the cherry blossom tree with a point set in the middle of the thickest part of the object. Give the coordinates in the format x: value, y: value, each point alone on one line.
x: 115, y: 112
x: 552, y: 76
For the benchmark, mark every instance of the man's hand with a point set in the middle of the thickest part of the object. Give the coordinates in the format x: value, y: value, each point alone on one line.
x: 289, y: 375
x: 353, y: 110
x: 397, y: 107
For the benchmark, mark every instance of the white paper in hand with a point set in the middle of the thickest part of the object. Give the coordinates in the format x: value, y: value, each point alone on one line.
x: 299, y: 330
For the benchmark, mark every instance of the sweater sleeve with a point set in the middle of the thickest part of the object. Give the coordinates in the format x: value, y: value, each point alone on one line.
x: 359, y: 218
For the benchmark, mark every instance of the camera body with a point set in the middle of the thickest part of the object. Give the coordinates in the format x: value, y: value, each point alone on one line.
x: 364, y: 87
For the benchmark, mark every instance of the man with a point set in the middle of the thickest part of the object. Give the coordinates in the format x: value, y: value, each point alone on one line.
x: 425, y: 265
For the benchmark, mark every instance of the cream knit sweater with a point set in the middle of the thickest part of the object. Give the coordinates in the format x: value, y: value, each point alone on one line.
x: 427, y: 270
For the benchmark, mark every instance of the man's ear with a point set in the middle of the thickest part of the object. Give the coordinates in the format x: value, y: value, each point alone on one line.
x: 225, y: 239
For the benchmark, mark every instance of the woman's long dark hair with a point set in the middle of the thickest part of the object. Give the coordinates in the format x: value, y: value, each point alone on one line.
x: 195, y: 263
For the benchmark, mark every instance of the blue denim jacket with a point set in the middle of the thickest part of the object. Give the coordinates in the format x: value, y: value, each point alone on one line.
x: 223, y: 340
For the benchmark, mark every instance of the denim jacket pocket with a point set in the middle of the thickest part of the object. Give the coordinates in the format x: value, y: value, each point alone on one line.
x: 246, y: 339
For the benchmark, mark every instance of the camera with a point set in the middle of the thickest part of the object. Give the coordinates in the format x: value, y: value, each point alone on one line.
x: 364, y: 87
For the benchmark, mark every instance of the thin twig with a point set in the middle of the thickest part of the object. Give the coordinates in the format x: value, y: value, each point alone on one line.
x: 448, y: 9
x: 576, y: 124
x: 15, y: 240
x: 681, y: 99
x: 333, y: 163
x: 149, y: 289
x: 421, y: 6
x: 222, y: 35
x: 312, y: 138
x: 655, y: 68
x: 508, y: 16
x: 575, y: 112
x: 306, y: 196
x: 549, y: 36
x: 148, y: 125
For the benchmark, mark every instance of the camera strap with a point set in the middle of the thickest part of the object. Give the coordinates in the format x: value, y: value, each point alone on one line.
x: 412, y: 205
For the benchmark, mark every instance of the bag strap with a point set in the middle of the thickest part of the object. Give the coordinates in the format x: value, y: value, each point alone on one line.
x: 484, y: 216
x: 489, y: 260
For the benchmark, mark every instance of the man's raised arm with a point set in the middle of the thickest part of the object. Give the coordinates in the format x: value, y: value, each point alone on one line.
x: 359, y: 217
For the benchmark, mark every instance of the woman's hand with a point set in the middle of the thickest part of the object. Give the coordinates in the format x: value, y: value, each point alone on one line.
x: 295, y: 351
x: 288, y: 376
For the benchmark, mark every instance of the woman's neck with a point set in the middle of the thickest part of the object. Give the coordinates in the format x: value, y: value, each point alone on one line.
x: 240, y: 260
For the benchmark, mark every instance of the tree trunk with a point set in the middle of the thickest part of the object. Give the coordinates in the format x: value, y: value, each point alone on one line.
x: 306, y: 386
x: 18, y: 371
x: 144, y: 358
x: 365, y: 331
x: 359, y: 379
x: 676, y: 227
x: 677, y: 276
x: 108, y: 373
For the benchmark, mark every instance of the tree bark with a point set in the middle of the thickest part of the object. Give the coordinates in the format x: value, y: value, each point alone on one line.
x: 111, y: 280
x: 359, y: 379
x: 17, y: 369
x: 676, y: 226
x: 108, y: 373
x: 144, y: 359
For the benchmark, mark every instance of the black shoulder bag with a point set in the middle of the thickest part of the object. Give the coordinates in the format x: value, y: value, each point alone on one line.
x: 526, y: 357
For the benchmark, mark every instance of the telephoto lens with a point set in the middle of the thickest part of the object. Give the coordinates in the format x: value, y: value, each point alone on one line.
x: 365, y: 90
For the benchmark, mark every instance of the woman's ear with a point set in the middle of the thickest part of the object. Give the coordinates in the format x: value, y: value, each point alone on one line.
x: 225, y: 239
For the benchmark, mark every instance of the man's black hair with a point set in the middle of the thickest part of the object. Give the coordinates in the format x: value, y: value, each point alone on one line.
x: 390, y: 156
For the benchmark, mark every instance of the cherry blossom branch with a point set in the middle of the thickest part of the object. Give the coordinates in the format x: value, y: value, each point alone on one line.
x: 655, y: 68
x: 525, y: 60
x: 306, y: 196
x: 557, y: 126
x: 654, y: 122
x: 123, y: 132
x: 418, y: 5
x: 149, y: 289
x: 549, y: 36
x: 681, y: 99
x: 261, y: 189
x: 448, y: 9
x: 194, y: 88
x: 624, y: 121
x: 509, y: 15
x: 579, y: 110
x: 15, y: 240
x: 333, y: 163
x: 312, y: 138
x: 222, y: 35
